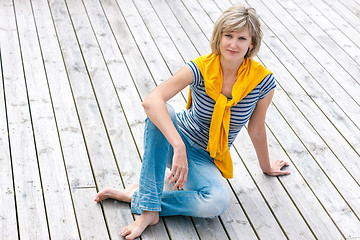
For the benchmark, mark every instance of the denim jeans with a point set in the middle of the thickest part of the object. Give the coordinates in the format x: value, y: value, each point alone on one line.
x: 205, y: 193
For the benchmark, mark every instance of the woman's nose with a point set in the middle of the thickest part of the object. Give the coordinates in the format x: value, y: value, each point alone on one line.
x: 233, y: 42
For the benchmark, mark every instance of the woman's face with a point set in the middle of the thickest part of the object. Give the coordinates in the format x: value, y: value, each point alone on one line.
x: 234, y: 45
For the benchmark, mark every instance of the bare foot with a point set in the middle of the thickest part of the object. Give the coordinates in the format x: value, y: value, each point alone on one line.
x: 124, y: 195
x: 137, y: 228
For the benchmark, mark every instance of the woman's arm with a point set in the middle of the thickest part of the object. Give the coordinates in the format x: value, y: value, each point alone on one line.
x: 155, y: 107
x: 257, y: 133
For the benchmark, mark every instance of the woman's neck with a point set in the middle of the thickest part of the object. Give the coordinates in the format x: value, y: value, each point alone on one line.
x: 229, y: 69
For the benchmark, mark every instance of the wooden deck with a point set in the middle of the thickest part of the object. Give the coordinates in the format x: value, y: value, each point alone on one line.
x: 74, y: 73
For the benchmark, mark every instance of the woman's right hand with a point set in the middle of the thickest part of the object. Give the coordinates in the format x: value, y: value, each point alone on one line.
x: 179, y: 169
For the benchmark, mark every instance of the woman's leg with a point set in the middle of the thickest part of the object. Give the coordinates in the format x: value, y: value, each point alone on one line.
x: 147, y: 200
x: 205, y: 193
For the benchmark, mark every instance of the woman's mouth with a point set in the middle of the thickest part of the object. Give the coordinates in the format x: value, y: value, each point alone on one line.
x: 232, y: 51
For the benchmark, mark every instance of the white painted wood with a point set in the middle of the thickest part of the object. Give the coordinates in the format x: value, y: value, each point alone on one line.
x: 32, y: 220
x: 8, y: 221
x: 77, y: 165
x: 58, y: 202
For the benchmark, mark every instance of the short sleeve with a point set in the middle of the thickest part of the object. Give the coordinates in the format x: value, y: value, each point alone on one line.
x: 196, y: 74
x: 267, y: 85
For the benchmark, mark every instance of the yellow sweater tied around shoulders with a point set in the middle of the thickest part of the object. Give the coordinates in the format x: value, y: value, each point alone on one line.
x: 249, y: 75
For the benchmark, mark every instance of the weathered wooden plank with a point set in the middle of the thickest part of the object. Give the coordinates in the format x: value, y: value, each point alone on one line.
x: 253, y: 200
x: 235, y: 221
x: 336, y: 19
x: 346, y: 13
x: 313, y: 174
x: 201, y: 18
x: 297, y: 188
x: 352, y: 5
x: 193, y: 31
x: 173, y: 28
x: 32, y: 221
x: 332, y: 41
x: 350, y: 54
x: 8, y: 221
x: 119, y: 134
x: 209, y: 228
x: 307, y: 107
x: 58, y: 202
x: 96, y: 136
x: 77, y: 165
x: 91, y: 219
x: 70, y: 132
x: 313, y: 68
x: 315, y: 89
x: 154, y: 60
x: 162, y: 39
x: 276, y: 197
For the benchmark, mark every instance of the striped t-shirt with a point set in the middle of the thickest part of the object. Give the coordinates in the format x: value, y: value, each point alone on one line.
x: 195, y: 122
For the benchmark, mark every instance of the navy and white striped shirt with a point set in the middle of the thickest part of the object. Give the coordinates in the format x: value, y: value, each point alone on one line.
x: 195, y: 122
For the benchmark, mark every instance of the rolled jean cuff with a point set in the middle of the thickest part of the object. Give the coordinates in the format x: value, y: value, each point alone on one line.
x: 138, y: 206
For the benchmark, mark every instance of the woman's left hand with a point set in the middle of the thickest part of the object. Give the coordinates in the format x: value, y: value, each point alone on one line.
x: 276, y: 167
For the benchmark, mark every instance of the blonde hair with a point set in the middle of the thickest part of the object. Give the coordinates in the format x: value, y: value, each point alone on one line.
x: 234, y: 19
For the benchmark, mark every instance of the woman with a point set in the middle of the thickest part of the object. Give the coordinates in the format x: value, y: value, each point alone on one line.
x: 227, y: 89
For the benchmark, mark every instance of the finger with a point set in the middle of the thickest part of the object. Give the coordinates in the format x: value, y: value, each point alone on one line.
x: 284, y: 164
x: 283, y: 173
x: 174, y: 178
x: 184, y: 180
x: 172, y: 173
x: 178, y: 181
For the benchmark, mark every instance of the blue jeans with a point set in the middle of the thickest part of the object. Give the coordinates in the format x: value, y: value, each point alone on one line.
x: 205, y: 193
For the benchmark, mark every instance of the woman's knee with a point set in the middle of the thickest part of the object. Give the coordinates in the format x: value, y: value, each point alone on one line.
x: 217, y: 200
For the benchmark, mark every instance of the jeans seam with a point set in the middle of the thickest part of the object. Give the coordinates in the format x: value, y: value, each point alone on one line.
x: 200, y: 173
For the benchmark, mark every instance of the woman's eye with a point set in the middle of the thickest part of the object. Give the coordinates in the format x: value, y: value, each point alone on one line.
x: 242, y: 38
x: 227, y: 35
